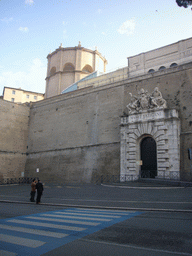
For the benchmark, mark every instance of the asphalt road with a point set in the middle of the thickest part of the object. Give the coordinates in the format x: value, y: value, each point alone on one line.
x: 150, y: 233
x: 133, y: 196
x: 162, y: 224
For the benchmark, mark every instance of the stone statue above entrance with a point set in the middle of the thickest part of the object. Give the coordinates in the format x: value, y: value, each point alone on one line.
x: 145, y: 101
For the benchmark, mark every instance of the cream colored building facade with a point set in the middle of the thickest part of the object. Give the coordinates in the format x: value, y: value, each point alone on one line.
x: 21, y: 96
x: 159, y: 59
x: 69, y: 65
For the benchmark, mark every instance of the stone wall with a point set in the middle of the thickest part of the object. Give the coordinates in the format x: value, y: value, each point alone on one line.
x: 13, y: 136
x: 76, y: 135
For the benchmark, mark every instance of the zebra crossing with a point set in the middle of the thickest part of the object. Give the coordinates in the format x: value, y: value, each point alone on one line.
x: 39, y: 233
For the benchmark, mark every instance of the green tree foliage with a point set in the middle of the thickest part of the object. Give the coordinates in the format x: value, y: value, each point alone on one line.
x: 184, y: 3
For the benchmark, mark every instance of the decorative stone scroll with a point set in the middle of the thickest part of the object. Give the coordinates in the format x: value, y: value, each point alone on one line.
x: 144, y: 101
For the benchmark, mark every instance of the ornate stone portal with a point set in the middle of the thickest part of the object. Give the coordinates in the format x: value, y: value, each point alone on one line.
x: 149, y: 118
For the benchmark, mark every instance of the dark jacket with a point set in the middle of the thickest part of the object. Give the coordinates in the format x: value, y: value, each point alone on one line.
x: 39, y: 187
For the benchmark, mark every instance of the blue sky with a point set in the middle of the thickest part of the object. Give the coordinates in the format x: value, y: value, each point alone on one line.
x: 30, y: 29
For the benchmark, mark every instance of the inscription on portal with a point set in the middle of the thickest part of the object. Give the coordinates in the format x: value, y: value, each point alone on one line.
x: 146, y: 116
x: 145, y: 101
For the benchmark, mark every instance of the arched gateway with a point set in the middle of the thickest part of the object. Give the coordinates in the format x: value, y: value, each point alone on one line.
x: 150, y: 139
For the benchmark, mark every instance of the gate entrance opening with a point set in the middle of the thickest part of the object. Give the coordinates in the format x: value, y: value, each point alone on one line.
x: 148, y: 153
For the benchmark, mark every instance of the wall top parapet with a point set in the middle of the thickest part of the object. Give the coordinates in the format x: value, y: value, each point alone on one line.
x: 150, y: 115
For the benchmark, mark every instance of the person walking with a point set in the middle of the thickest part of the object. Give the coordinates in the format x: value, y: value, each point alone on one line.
x: 39, y: 187
x: 33, y: 190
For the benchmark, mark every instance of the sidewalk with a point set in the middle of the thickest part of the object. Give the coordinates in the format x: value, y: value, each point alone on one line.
x: 156, y: 182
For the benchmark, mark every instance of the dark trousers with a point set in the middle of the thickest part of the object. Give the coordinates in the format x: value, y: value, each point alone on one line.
x: 32, y: 199
x: 39, y: 194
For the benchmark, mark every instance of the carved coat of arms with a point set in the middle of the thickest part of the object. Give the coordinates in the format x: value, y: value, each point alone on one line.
x: 144, y: 101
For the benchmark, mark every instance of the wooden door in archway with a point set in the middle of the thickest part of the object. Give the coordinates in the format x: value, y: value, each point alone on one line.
x: 148, y: 153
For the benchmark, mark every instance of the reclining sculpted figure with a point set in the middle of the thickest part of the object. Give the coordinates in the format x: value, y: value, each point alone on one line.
x: 157, y: 99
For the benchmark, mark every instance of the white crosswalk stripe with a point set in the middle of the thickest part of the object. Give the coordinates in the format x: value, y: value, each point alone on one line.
x: 77, y: 217
x: 33, y: 231
x: 87, y: 214
x: 64, y: 221
x: 40, y: 224
x: 101, y: 211
x: 21, y: 241
x: 7, y: 253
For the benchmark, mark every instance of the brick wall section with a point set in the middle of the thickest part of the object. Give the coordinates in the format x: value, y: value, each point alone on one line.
x: 13, y: 136
x: 75, y: 135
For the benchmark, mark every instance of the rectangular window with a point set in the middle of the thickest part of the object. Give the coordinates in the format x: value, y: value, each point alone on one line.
x: 35, y: 97
x: 13, y: 92
x: 12, y: 99
x: 27, y: 96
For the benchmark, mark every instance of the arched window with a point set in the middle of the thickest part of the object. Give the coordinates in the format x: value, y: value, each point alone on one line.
x: 173, y: 65
x: 52, y: 71
x: 68, y: 67
x: 151, y: 71
x: 162, y: 68
x: 87, y: 69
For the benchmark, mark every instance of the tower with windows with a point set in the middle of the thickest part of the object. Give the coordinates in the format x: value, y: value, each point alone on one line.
x: 68, y: 65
